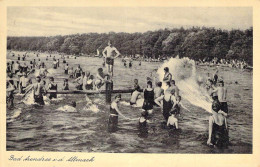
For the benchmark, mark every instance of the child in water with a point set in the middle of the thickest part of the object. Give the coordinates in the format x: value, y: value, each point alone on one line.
x: 174, y: 113
x: 142, y: 126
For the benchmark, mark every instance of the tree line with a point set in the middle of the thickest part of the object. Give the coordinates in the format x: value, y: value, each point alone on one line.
x: 195, y: 43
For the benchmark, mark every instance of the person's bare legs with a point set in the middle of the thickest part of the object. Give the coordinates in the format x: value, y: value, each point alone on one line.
x: 210, y: 130
x: 111, y: 69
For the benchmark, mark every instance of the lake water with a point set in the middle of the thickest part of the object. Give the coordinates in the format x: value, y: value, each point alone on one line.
x: 31, y: 128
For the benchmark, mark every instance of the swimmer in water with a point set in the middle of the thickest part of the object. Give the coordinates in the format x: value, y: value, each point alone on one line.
x: 142, y: 124
x: 166, y: 102
x: 71, y: 75
x: 222, y: 96
x: 66, y: 69
x: 158, y: 90
x: 109, y: 59
x: 101, y: 79
x: 23, y: 83
x: 65, y: 84
x: 136, y: 93
x: 78, y: 71
x: 215, y: 77
x: 90, y: 83
x: 38, y: 91
x: 148, y: 98
x: 114, y: 112
x: 167, y: 75
x: 218, y: 128
x: 173, y: 88
x: 52, y: 86
x: 9, y: 94
x: 79, y: 81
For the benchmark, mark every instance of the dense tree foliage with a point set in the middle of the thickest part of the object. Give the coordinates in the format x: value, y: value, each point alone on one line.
x: 196, y: 43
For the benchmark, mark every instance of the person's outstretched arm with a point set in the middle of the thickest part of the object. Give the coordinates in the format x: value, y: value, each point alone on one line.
x: 117, y: 53
x: 116, y: 108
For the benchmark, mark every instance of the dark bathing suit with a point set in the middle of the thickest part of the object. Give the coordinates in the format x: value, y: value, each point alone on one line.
x: 109, y: 61
x: 113, y: 119
x: 167, y: 106
x: 219, y: 135
x: 38, y: 98
x: 53, y: 95
x: 224, y: 107
x: 148, y: 100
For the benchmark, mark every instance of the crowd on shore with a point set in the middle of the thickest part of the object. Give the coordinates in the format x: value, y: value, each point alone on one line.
x: 239, y: 64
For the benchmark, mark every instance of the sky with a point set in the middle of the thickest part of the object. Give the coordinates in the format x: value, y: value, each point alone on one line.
x: 51, y: 21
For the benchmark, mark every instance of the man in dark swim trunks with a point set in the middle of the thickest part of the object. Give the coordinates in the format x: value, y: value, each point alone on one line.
x: 109, y: 59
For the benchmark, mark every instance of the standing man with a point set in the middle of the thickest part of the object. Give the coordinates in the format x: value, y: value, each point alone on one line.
x: 221, y: 91
x: 109, y: 59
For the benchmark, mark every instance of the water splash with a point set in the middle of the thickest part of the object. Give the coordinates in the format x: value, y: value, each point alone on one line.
x: 188, y: 81
x: 29, y: 99
x: 67, y: 108
x: 15, y: 115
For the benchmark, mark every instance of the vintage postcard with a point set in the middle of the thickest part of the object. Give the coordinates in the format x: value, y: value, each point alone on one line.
x: 129, y: 83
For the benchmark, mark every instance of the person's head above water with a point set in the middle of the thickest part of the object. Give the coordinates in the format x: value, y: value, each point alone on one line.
x: 118, y: 97
x: 51, y: 79
x: 100, y: 70
x: 159, y: 84
x: 38, y: 79
x: 109, y: 43
x: 221, y: 83
x: 149, y: 84
x: 73, y: 104
x: 216, y: 106
x: 136, y: 81
x: 166, y: 69
x: 91, y: 77
x: 173, y: 82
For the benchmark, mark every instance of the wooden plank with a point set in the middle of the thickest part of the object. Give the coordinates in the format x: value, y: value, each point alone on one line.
x: 90, y: 91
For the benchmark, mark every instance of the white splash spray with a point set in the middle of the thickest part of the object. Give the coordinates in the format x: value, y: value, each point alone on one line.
x: 184, y: 73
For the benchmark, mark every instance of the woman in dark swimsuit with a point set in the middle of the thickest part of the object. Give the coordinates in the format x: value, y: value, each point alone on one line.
x: 167, y: 75
x: 218, y: 129
x: 169, y: 102
x: 148, y: 98
x: 52, y: 86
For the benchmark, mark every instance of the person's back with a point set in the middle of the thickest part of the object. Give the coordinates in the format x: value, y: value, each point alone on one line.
x: 222, y: 94
x: 158, y: 91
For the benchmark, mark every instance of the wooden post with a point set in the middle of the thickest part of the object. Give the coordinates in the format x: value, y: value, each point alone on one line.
x: 109, y: 88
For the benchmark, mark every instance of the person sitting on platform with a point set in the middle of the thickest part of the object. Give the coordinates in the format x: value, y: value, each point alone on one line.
x: 136, y: 93
x: 101, y: 79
